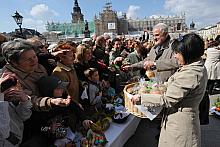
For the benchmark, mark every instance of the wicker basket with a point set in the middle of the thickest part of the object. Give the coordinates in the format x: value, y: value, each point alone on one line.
x: 128, y: 103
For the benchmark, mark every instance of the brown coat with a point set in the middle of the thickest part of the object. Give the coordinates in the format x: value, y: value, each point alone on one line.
x: 185, y: 91
x: 68, y: 74
x: 28, y: 83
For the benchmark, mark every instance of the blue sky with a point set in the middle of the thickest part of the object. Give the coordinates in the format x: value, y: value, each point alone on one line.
x: 37, y: 12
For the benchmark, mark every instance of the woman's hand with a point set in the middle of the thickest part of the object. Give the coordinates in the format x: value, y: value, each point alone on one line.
x: 58, y: 53
x: 100, y: 93
x: 118, y: 59
x: 60, y: 102
x: 136, y: 98
x: 6, y: 76
x: 81, y: 107
x: 12, y: 95
x: 86, y: 123
x: 54, y: 126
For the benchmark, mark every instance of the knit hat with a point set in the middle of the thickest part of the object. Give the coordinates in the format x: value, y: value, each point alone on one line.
x: 12, y: 50
x: 47, y: 84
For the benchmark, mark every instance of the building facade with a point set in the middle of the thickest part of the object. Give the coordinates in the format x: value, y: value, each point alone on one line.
x: 210, y: 32
x: 175, y: 23
x: 108, y: 21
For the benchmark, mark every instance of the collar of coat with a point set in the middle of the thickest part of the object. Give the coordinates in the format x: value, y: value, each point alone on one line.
x: 67, y: 68
x: 22, y: 74
x: 196, y: 63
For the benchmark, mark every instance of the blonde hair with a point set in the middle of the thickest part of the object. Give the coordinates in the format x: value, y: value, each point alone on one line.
x: 80, y: 52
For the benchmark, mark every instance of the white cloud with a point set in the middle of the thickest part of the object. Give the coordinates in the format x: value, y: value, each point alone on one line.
x: 132, y: 12
x: 204, y: 12
x: 38, y: 25
x: 119, y: 13
x: 158, y: 16
x: 42, y: 11
x: 39, y: 14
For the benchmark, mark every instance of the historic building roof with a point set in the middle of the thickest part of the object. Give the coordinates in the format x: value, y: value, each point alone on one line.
x: 77, y: 16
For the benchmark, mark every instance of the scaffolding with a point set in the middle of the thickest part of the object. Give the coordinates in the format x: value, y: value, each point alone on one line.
x: 76, y: 29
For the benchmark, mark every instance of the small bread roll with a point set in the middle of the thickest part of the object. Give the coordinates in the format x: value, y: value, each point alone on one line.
x: 150, y: 74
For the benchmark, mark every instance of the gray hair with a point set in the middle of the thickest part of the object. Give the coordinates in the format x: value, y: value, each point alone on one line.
x: 12, y: 50
x: 162, y: 26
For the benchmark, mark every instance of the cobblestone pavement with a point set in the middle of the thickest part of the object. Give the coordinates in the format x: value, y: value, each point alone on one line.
x: 147, y: 130
x: 211, y: 133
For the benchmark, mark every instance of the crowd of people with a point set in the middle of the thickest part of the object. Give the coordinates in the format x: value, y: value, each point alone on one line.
x: 46, y: 87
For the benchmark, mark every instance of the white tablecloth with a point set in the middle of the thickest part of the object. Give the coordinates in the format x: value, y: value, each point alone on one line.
x: 118, y: 134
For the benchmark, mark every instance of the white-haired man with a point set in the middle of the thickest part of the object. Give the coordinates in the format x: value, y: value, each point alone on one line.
x: 160, y: 58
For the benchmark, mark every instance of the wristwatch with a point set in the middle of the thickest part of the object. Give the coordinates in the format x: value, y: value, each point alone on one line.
x: 154, y: 67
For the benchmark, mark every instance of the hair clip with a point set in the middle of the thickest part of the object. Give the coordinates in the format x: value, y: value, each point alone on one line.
x: 180, y: 38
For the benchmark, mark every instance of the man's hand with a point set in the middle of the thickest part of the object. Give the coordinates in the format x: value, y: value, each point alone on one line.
x: 126, y: 67
x: 148, y: 65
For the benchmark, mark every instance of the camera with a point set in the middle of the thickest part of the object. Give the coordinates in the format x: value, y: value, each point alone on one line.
x: 8, y: 84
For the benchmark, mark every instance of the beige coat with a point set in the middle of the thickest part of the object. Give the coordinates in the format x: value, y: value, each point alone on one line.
x: 68, y: 74
x: 28, y: 83
x: 212, y: 63
x: 185, y: 90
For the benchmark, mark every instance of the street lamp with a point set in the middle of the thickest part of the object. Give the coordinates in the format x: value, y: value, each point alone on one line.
x: 18, y: 19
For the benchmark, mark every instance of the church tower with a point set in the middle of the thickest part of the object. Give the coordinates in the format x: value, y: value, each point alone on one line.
x: 77, y: 16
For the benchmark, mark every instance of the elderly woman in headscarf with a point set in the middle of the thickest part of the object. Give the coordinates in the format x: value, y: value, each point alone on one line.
x: 22, y: 60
